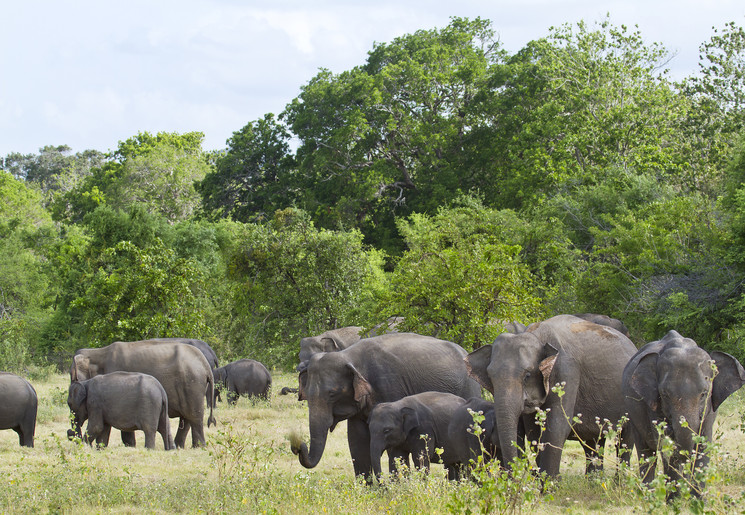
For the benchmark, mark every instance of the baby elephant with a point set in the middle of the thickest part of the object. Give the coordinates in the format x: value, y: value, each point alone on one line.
x: 19, y: 403
x: 243, y: 377
x: 128, y: 401
x: 465, y: 446
x: 416, y: 425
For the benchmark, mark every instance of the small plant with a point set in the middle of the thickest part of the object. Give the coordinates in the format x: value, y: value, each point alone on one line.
x: 500, y: 490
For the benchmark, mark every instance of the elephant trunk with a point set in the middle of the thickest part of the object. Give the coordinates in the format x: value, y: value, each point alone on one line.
x: 319, y: 428
x: 508, y: 410
x: 377, y: 447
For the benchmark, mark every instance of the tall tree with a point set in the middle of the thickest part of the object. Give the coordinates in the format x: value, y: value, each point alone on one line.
x: 253, y: 178
x: 584, y: 105
x: 387, y: 136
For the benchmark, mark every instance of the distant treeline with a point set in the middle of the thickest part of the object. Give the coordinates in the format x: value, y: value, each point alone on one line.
x: 444, y: 180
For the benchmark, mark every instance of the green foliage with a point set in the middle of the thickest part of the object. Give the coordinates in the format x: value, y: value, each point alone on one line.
x: 459, y: 280
x: 386, y: 137
x: 292, y: 280
x: 571, y: 108
x: 253, y: 178
x: 158, y: 172
x: 137, y: 293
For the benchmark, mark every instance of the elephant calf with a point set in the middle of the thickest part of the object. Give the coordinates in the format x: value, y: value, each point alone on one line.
x: 243, y: 377
x: 464, y: 446
x: 19, y: 404
x: 128, y: 401
x: 416, y: 425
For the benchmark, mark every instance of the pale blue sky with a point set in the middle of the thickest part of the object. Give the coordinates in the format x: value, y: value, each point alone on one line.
x: 90, y: 73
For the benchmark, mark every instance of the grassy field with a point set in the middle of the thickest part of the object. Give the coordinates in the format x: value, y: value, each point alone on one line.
x: 247, y: 466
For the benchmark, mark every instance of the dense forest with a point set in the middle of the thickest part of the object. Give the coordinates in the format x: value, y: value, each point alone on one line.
x: 444, y: 180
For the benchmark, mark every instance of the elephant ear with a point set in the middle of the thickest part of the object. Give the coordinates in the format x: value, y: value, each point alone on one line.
x: 546, y: 366
x: 302, y: 379
x: 80, y: 370
x: 730, y: 377
x: 644, y: 380
x: 477, y: 363
x: 363, y: 393
x: 330, y: 344
x: 78, y: 394
x: 410, y: 420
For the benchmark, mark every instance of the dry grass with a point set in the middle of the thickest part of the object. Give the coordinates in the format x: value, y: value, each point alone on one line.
x: 247, y: 466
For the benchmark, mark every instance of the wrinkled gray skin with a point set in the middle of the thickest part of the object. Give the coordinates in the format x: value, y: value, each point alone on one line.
x: 673, y: 378
x: 464, y: 446
x: 128, y: 401
x: 181, y: 369
x: 346, y: 385
x: 521, y: 369
x: 19, y: 403
x: 243, y: 377
x: 605, y: 320
x: 413, y: 426
x: 330, y: 341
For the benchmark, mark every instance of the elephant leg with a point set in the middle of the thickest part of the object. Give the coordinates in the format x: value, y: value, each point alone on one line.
x: 358, y: 437
x: 197, y: 434
x: 557, y: 431
x: 232, y: 397
x: 594, y: 454
x: 150, y: 439
x: 183, y: 430
x: 128, y: 439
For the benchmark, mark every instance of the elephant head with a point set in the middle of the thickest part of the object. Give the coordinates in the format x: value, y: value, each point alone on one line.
x: 521, y: 367
x: 390, y: 426
x: 77, y: 398
x: 83, y: 368
x: 335, y: 391
x: 683, y: 382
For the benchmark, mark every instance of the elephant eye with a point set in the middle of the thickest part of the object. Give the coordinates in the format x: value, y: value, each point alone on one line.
x: 526, y: 377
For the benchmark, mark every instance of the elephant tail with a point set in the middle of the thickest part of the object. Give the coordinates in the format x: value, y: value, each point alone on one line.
x: 211, y: 395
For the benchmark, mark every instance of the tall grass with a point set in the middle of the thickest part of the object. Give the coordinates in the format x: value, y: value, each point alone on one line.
x: 247, y: 467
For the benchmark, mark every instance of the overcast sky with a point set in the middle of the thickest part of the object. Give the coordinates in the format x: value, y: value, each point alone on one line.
x: 89, y: 74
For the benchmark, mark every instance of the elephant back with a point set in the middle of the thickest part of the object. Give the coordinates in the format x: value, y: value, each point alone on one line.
x: 401, y: 364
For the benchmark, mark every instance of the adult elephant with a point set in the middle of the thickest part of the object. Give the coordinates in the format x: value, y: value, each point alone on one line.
x: 181, y: 369
x: 670, y: 380
x: 346, y: 385
x: 243, y: 377
x: 521, y: 370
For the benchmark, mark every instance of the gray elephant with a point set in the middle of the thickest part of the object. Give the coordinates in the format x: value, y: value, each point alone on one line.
x: 465, y: 446
x: 329, y: 341
x: 128, y: 401
x: 243, y: 377
x: 605, y: 320
x: 521, y: 370
x: 415, y: 426
x: 671, y: 379
x: 181, y: 369
x: 346, y: 385
x: 19, y: 404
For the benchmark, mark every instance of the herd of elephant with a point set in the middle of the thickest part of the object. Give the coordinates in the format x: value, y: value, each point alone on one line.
x: 415, y: 396
x: 138, y: 386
